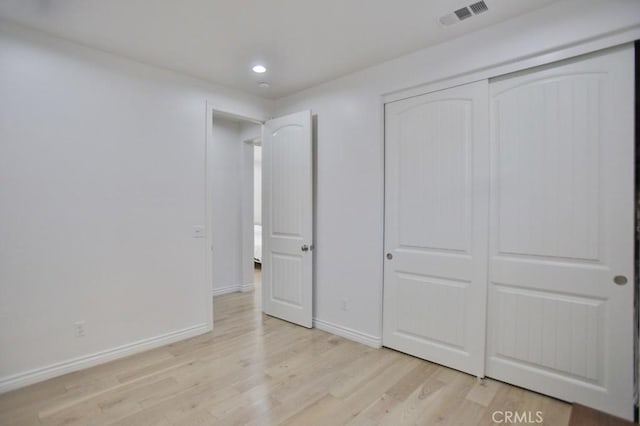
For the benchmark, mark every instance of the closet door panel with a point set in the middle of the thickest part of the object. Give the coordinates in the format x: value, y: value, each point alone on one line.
x: 436, y: 222
x: 562, y: 229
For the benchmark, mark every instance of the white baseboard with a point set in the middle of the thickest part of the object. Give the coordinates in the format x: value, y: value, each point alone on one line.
x: 348, y: 333
x: 219, y: 291
x: 19, y: 380
x: 245, y: 288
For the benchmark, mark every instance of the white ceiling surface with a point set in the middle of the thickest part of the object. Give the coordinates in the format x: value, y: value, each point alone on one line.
x: 302, y: 42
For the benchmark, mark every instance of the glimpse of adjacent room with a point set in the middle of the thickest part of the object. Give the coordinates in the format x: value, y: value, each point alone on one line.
x: 235, y: 163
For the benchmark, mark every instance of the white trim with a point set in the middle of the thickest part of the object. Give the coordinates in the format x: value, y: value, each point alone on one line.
x: 208, y: 202
x: 219, y: 291
x: 247, y: 228
x: 257, y: 141
x: 19, y: 380
x: 382, y: 219
x: 245, y: 288
x: 348, y: 333
x: 224, y: 113
x: 616, y: 38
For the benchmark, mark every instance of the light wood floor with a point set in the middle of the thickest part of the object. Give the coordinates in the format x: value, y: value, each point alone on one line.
x: 258, y: 370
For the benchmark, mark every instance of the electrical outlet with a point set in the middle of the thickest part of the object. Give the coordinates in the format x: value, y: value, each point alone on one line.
x: 80, y: 328
x: 345, y: 304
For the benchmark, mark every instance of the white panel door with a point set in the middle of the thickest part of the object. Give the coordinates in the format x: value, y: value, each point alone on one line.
x: 560, y: 315
x: 287, y: 222
x: 436, y: 226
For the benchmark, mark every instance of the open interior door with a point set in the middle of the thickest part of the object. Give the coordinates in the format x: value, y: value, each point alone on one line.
x: 287, y: 218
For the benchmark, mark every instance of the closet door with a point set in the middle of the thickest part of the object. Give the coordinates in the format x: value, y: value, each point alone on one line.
x: 560, y: 311
x: 436, y: 221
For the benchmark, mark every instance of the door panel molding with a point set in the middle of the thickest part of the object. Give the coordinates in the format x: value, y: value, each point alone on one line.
x: 436, y: 225
x: 562, y: 226
x: 287, y: 215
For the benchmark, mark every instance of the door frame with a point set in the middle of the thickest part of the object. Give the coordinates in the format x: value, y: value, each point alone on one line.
x: 210, y: 110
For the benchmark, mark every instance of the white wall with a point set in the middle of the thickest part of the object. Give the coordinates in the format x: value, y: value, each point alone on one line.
x: 251, y: 131
x: 349, y: 224
x: 102, y: 180
x: 227, y: 175
x: 232, y: 204
x: 248, y: 275
x: 257, y: 185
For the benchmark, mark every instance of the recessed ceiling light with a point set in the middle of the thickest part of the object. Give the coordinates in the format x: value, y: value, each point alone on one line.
x: 259, y: 69
x: 263, y: 84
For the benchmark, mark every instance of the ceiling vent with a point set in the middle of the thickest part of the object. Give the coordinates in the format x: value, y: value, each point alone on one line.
x: 464, y: 13
x: 479, y: 7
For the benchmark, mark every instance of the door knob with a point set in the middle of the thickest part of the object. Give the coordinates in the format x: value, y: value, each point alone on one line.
x: 389, y: 256
x: 304, y: 247
x: 620, y: 279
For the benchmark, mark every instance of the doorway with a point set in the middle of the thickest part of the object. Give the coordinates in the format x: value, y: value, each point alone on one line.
x: 286, y: 213
x: 235, y: 192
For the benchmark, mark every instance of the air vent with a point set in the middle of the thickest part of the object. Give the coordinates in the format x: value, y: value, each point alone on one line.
x: 463, y: 13
x: 479, y: 7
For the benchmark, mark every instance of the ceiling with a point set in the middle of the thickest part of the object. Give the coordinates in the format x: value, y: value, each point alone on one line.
x: 301, y: 42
